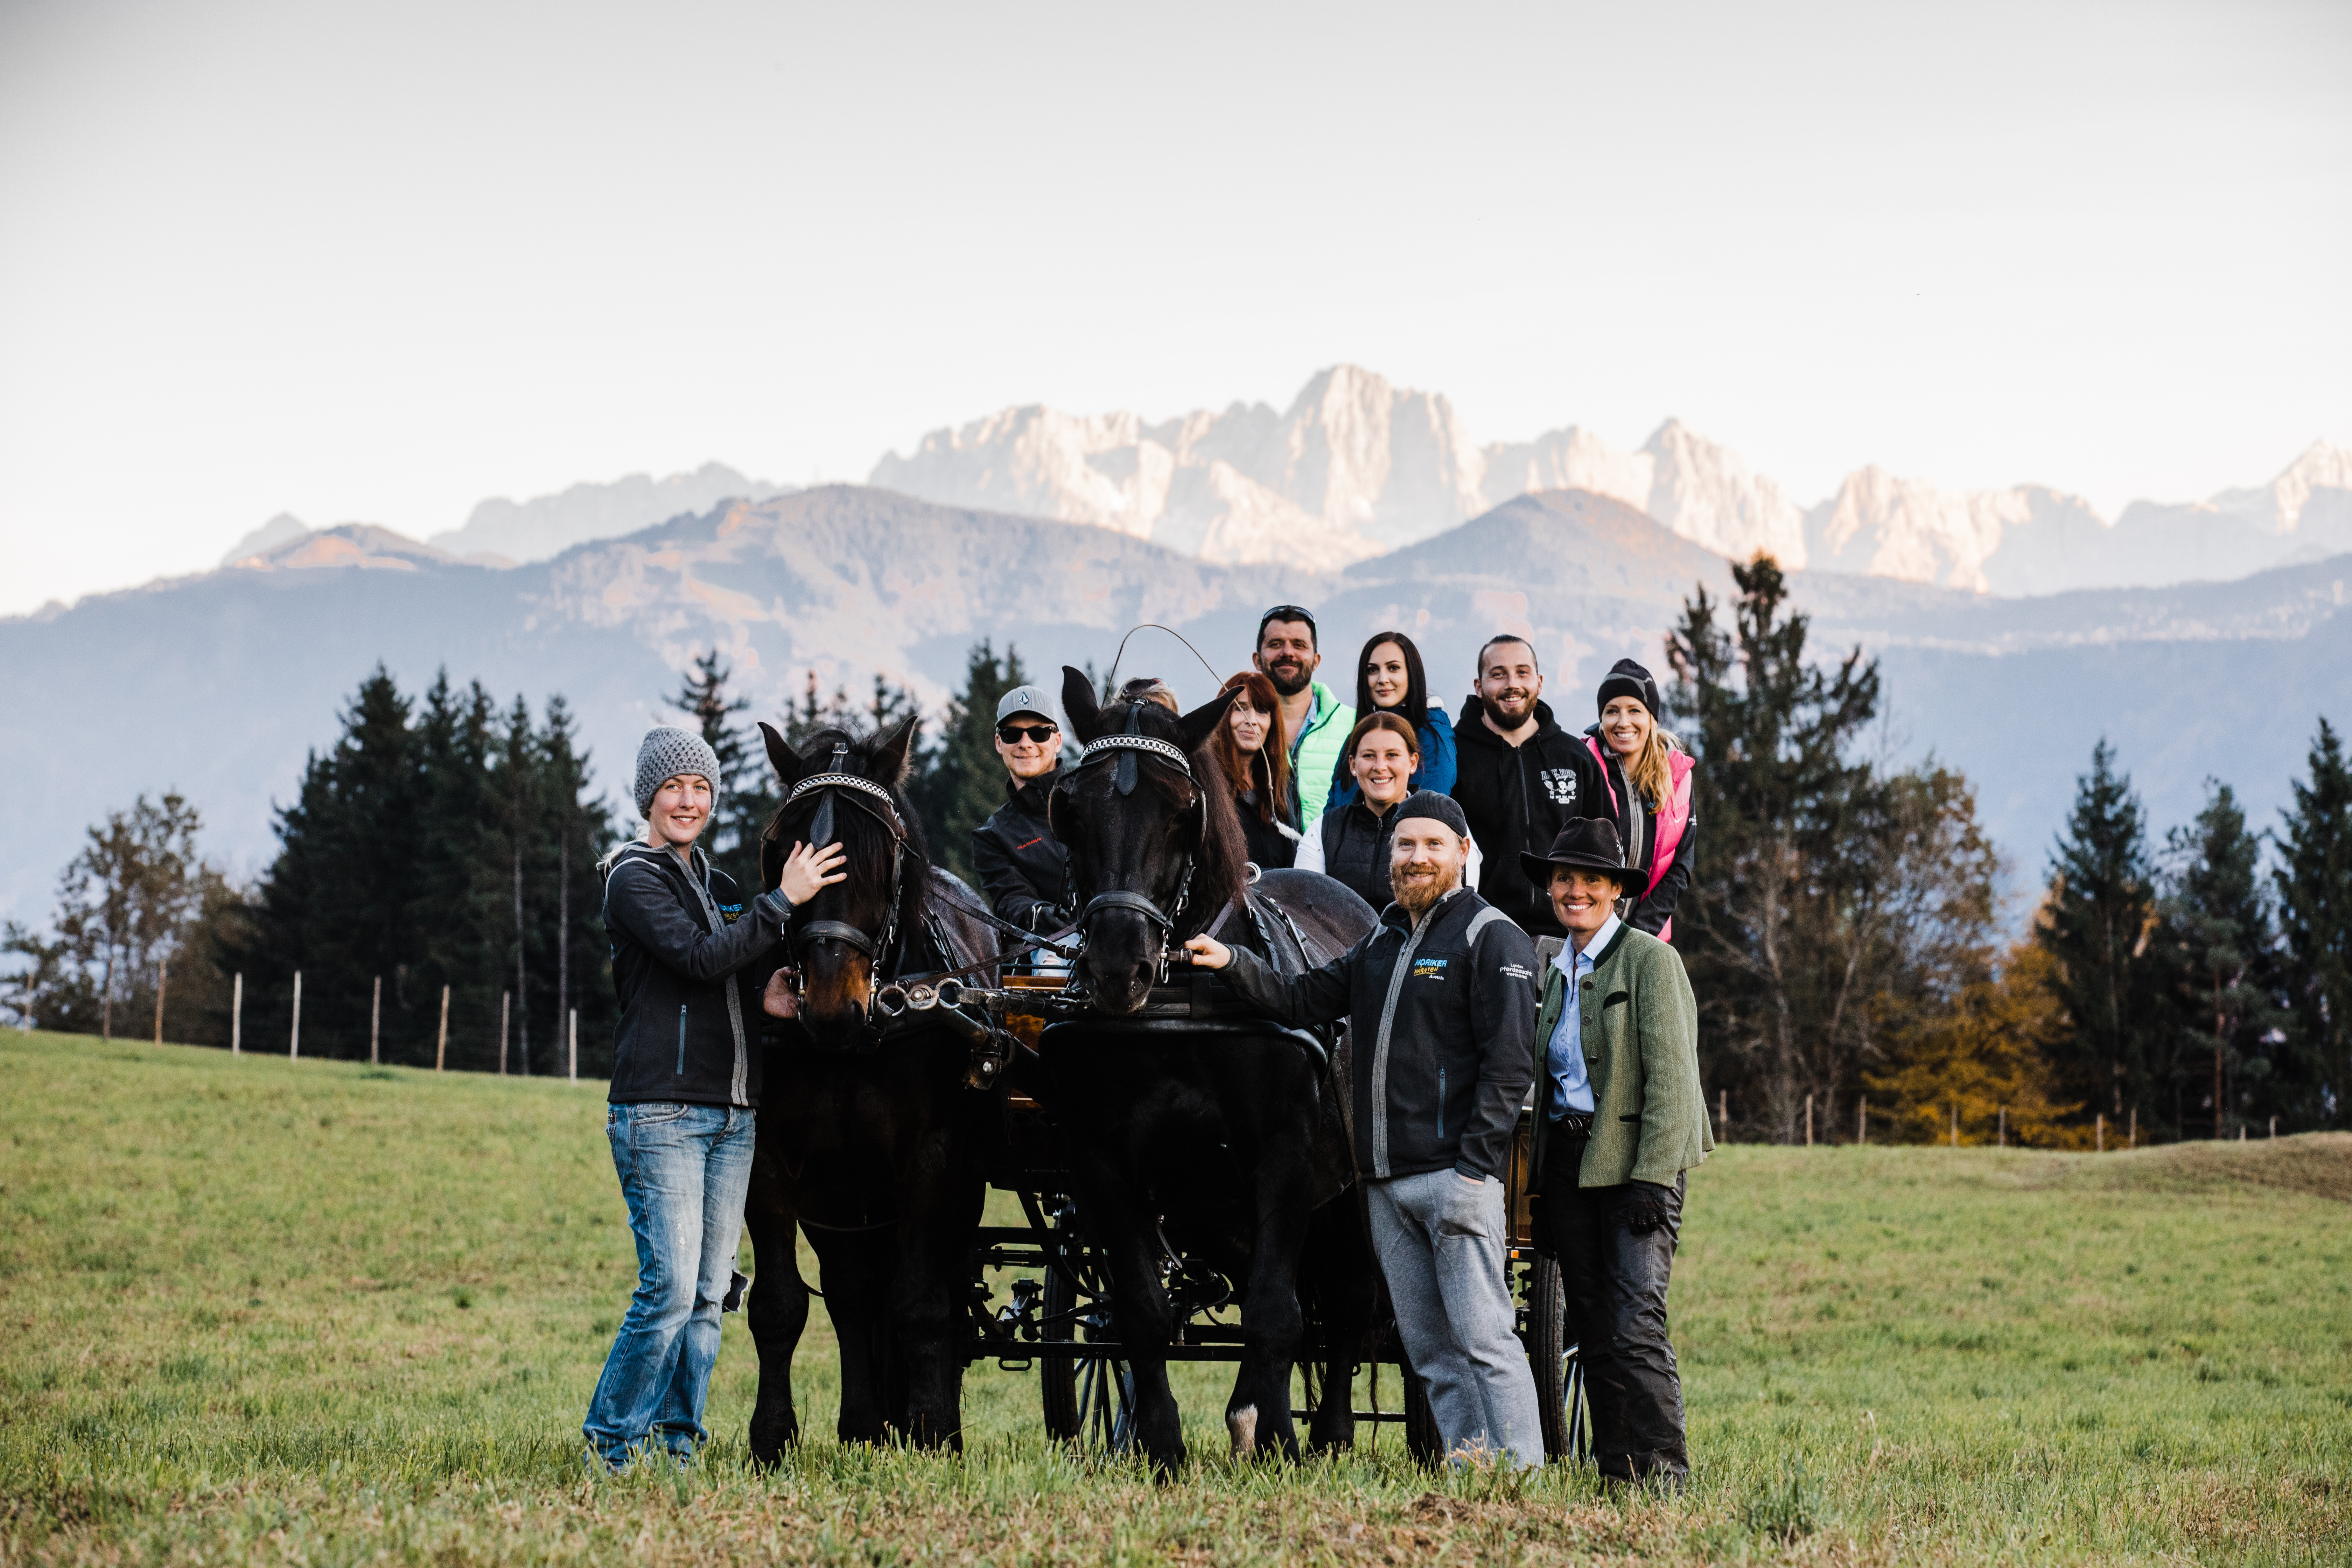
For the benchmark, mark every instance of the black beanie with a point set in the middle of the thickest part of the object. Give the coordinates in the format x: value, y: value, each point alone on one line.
x: 1439, y: 808
x: 1627, y: 678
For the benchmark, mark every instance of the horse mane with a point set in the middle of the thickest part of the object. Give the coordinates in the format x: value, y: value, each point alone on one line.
x: 1219, y: 877
x: 865, y: 842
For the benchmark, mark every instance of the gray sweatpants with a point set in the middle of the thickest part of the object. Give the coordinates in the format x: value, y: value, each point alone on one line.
x: 1441, y: 1246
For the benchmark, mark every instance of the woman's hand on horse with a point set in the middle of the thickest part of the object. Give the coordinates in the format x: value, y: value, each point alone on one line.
x: 1208, y: 953
x: 808, y: 869
x: 778, y: 1001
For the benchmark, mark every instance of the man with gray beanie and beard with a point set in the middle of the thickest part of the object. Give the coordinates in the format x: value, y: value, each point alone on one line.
x: 693, y: 962
x: 1440, y: 1000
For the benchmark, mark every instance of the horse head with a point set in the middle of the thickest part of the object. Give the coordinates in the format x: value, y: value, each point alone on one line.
x: 844, y: 788
x: 1148, y: 821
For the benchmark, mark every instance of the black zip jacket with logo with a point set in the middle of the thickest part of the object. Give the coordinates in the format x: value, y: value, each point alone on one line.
x: 1518, y: 798
x: 690, y: 958
x: 1019, y: 862
x: 1441, y: 1033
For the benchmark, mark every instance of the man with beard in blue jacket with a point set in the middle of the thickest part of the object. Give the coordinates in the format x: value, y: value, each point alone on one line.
x: 1441, y: 1002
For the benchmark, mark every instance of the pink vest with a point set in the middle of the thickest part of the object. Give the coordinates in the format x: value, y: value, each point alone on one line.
x: 1673, y: 815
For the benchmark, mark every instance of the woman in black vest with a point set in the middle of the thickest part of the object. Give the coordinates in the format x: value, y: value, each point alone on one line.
x: 1352, y: 844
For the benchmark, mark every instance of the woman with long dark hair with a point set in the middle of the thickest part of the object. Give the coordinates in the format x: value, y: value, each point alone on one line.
x: 1389, y: 679
x: 1256, y: 755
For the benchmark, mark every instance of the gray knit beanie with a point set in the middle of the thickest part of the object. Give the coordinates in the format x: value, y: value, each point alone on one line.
x: 668, y: 751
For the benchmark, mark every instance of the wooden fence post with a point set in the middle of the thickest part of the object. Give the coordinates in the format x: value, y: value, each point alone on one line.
x: 1956, y: 1122
x: 163, y: 978
x: 1723, y: 1113
x: 376, y: 1025
x: 1862, y: 1122
x: 237, y: 1015
x: 294, y: 1039
x: 2273, y: 1126
x: 1809, y: 1117
x: 506, y: 1006
x: 2134, y: 1141
x: 2001, y: 1135
x: 2103, y: 1131
x: 441, y: 1046
x: 574, y: 1071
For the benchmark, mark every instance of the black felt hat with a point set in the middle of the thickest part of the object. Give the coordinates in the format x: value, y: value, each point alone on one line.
x: 1587, y: 843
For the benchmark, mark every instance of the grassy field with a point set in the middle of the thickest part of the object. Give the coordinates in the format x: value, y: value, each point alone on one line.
x: 255, y: 1311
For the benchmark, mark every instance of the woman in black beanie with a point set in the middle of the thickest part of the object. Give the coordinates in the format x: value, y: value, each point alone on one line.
x: 1648, y: 776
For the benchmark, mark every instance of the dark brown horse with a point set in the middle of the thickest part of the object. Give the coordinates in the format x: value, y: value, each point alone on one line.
x: 1216, y: 1138
x: 869, y: 1139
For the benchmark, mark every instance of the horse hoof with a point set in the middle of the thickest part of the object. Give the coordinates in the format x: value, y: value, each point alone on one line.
x: 1242, y: 1425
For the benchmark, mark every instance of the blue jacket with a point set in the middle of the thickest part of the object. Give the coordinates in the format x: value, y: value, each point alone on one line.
x: 1437, y: 771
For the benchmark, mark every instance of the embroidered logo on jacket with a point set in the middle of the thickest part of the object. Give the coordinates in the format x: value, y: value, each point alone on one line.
x: 731, y: 913
x: 1519, y: 972
x: 1429, y: 969
x: 1559, y: 784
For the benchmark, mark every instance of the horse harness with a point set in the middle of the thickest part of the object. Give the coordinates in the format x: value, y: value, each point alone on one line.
x: 1123, y: 750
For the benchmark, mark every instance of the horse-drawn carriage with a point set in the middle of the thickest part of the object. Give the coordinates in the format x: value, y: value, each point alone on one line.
x: 1054, y: 1317
x: 1181, y: 1163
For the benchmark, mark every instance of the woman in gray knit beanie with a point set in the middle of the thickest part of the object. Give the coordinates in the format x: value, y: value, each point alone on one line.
x: 692, y: 959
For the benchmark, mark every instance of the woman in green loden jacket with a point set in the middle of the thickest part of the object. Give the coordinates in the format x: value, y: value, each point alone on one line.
x: 1621, y: 1117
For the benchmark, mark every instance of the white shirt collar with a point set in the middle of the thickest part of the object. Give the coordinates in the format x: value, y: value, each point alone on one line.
x: 1565, y: 959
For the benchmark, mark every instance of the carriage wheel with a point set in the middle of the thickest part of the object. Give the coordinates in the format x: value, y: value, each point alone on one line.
x: 1420, y: 1439
x: 1089, y: 1402
x: 1559, y: 1379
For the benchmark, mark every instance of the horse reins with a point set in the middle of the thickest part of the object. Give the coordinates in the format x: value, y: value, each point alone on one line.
x: 1123, y: 750
x: 873, y: 799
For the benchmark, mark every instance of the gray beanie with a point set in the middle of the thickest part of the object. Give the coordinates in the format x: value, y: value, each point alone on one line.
x: 668, y: 752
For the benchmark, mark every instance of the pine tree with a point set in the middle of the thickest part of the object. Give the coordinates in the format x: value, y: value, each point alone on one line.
x: 2217, y: 939
x: 746, y: 790
x: 963, y: 781
x: 2096, y: 924
x: 1786, y: 932
x: 2314, y: 892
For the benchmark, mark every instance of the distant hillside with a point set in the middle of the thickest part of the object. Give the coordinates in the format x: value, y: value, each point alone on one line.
x: 220, y: 683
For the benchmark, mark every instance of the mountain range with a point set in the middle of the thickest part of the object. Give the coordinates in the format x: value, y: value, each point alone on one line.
x: 1356, y: 467
x: 219, y: 683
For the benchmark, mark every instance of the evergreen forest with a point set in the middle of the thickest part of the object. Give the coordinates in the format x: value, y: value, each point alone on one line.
x: 1868, y: 964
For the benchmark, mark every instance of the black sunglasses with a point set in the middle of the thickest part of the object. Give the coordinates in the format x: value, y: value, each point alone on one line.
x: 1289, y: 612
x: 1035, y: 734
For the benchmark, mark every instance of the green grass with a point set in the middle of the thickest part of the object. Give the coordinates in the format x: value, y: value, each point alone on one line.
x: 311, y: 1311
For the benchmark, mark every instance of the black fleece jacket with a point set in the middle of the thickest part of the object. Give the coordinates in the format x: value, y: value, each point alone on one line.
x: 1020, y: 862
x: 1518, y: 798
x: 1441, y: 1023
x: 690, y: 958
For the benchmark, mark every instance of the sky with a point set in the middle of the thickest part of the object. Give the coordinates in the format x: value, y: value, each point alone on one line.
x: 378, y: 262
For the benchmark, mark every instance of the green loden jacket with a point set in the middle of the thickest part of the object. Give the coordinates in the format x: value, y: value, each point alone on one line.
x: 1640, y: 1052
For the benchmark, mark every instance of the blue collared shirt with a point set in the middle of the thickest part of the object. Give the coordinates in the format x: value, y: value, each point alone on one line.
x: 1564, y: 1057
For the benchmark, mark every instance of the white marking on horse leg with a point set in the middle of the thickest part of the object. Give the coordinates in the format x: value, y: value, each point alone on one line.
x: 1242, y: 1425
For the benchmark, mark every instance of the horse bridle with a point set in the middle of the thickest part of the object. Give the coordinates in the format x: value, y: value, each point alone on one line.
x: 865, y: 795
x: 1124, y: 749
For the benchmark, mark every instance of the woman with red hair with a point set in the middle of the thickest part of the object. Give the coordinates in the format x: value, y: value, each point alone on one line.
x: 1256, y: 755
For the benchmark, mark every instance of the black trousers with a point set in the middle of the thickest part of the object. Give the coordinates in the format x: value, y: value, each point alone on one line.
x: 1615, y: 1283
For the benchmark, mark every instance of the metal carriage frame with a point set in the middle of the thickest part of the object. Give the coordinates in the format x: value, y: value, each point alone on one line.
x: 1057, y: 1318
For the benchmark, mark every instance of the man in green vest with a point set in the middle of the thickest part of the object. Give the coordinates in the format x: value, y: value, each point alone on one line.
x: 1312, y: 717
x: 1621, y: 1118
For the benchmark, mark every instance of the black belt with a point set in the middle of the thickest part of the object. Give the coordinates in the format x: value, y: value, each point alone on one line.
x: 1578, y: 1124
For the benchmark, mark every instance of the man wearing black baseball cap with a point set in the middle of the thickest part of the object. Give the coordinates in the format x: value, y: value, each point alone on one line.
x: 1441, y: 1003
x: 1621, y: 1118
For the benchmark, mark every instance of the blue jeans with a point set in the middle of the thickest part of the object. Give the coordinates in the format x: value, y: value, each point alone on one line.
x: 684, y: 1171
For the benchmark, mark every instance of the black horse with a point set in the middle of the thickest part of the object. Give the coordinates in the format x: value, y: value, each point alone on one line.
x: 1220, y: 1138
x: 870, y: 1135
